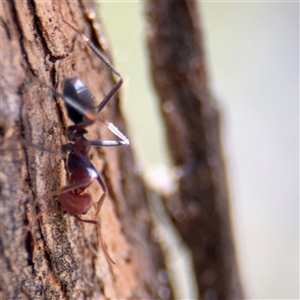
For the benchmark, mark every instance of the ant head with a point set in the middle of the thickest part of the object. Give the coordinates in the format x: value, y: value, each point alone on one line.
x: 80, y: 105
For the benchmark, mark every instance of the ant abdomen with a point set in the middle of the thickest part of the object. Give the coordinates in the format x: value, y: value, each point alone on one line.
x: 75, y: 88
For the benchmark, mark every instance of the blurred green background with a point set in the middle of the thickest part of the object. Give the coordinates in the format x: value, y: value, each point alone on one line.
x: 253, y: 60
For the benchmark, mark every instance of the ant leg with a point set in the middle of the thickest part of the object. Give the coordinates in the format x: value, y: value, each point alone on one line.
x: 27, y: 228
x: 70, y: 101
x: 105, y: 61
x: 101, y: 200
x: 115, y: 130
x: 90, y: 115
x: 100, y: 237
x: 110, y: 66
x: 124, y: 140
x: 29, y: 144
x: 64, y: 189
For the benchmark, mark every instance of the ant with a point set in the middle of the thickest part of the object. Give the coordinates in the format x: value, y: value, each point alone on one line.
x: 77, y: 98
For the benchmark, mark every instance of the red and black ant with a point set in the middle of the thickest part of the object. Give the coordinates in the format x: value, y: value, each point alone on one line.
x: 78, y: 102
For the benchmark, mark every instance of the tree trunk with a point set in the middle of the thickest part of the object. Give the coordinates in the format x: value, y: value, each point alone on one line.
x: 200, y: 210
x: 60, y: 257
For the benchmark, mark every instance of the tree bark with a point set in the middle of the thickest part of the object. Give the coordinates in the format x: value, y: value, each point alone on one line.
x: 200, y: 209
x: 60, y: 258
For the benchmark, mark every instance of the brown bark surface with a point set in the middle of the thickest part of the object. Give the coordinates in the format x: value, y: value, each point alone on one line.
x: 201, y: 210
x: 60, y: 258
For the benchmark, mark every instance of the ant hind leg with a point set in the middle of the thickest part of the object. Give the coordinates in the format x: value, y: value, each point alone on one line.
x: 99, y: 235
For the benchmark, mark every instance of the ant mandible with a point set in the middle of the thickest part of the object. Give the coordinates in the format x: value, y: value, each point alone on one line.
x: 78, y: 99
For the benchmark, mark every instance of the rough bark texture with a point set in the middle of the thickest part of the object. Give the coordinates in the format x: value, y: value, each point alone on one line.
x: 201, y: 210
x: 60, y: 258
